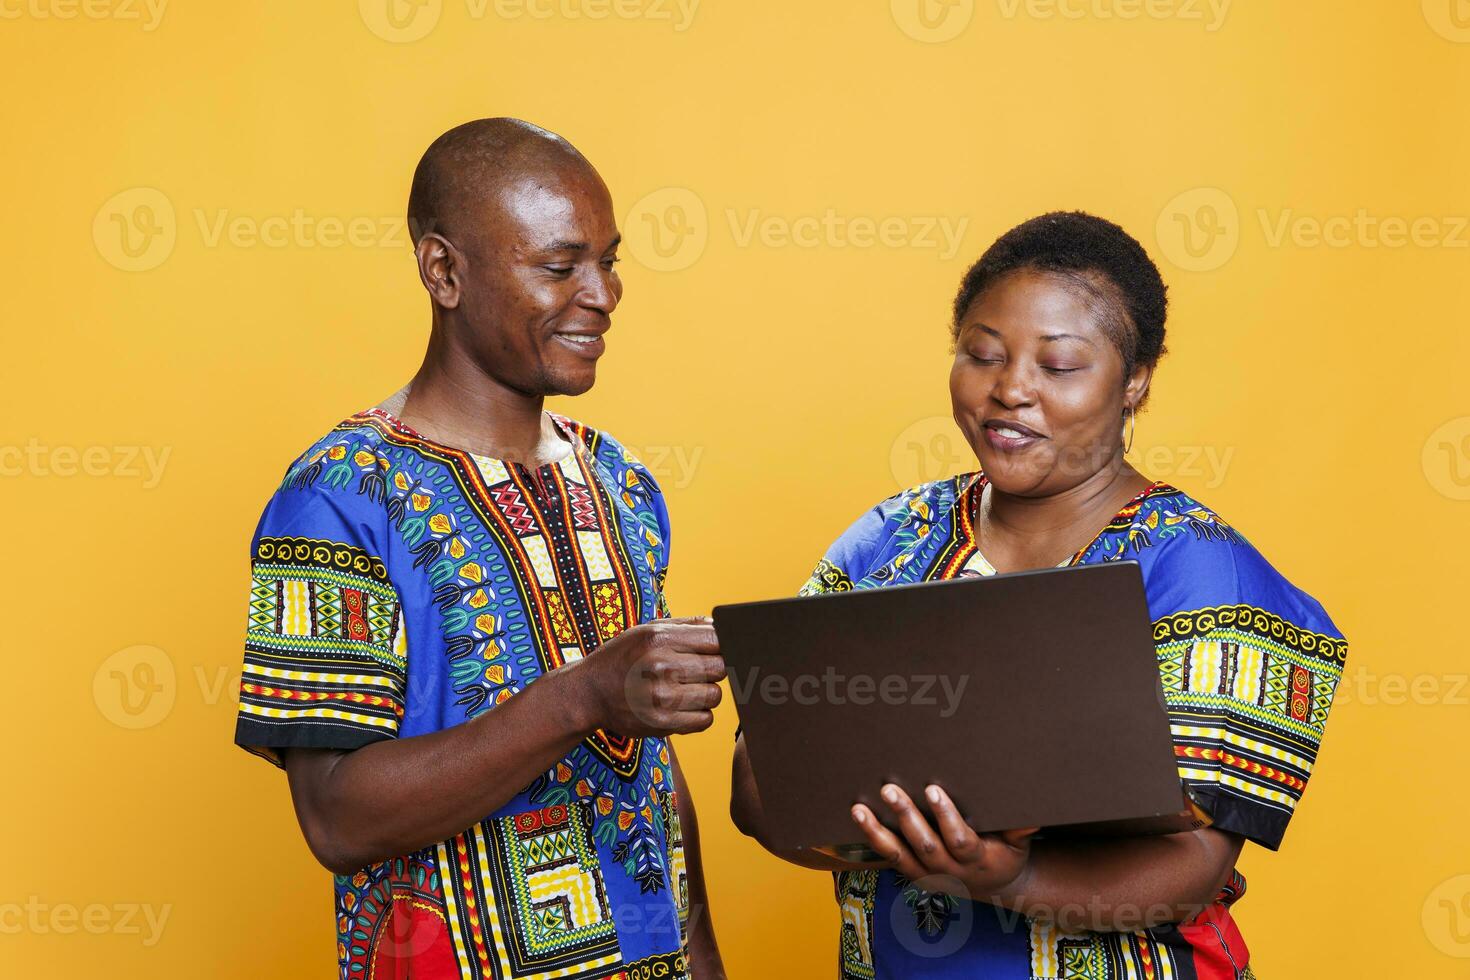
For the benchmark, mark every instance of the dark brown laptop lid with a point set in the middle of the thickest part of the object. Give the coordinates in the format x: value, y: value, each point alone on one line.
x: 1033, y: 698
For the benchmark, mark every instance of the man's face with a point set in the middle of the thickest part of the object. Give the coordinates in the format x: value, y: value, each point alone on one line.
x: 540, y: 282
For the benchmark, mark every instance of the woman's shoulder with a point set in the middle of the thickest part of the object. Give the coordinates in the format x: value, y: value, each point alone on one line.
x: 926, y: 501
x: 1192, y: 559
x: 924, y: 505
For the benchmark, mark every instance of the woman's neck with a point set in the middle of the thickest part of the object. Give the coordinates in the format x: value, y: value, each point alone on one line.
x: 1034, y: 532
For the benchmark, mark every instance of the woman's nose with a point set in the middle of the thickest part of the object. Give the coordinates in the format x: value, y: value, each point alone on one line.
x: 1015, y: 386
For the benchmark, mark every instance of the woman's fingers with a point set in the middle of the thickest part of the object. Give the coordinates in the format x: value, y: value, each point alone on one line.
x: 1017, y: 838
x: 917, y: 831
x: 962, y: 841
x: 886, y: 843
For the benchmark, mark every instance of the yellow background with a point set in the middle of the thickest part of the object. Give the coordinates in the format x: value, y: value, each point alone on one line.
x: 800, y: 382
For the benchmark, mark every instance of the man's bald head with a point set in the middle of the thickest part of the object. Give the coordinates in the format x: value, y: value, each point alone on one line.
x: 472, y: 163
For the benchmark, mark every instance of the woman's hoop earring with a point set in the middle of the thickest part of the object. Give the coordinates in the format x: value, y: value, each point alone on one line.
x: 1132, y: 417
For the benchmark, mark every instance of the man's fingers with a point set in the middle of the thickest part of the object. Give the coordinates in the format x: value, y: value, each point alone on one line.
x: 697, y: 697
x: 689, y: 722
x: 692, y: 668
x: 692, y: 637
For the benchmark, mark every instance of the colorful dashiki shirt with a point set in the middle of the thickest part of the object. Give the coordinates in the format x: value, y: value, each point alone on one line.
x: 401, y: 587
x: 1249, y: 666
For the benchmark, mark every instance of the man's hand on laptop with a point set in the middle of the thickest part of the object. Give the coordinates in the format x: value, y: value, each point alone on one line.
x: 658, y: 678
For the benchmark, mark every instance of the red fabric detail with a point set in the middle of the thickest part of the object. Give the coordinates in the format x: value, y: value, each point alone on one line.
x: 415, y: 943
x: 1219, y: 949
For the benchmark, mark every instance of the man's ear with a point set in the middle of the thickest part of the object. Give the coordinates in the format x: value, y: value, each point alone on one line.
x: 1136, y: 389
x: 441, y: 267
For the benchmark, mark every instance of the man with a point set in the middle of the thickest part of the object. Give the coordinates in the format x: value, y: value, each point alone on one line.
x: 458, y: 646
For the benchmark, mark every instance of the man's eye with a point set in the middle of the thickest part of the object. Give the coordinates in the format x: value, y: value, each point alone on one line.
x: 611, y: 261
x: 560, y: 270
x: 1059, y: 370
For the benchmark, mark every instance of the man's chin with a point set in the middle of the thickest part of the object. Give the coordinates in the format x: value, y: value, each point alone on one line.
x: 572, y: 383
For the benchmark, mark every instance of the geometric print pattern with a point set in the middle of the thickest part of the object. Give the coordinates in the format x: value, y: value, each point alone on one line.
x: 325, y: 651
x: 856, y: 895
x: 548, y: 893
x: 1247, y: 691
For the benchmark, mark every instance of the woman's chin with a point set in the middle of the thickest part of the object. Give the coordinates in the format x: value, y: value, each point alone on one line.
x: 1009, y: 477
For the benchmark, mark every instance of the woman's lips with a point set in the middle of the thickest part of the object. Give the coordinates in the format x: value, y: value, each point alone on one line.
x: 1009, y: 437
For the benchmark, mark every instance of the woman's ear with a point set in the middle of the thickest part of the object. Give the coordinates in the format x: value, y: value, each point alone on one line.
x: 1136, y: 390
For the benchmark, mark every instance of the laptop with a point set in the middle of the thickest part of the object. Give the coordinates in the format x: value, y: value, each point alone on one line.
x: 1033, y: 698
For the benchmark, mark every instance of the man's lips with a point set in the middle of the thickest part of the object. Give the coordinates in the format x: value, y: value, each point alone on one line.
x: 587, y: 343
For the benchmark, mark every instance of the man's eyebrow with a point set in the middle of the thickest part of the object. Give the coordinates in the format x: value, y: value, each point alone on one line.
x: 565, y: 246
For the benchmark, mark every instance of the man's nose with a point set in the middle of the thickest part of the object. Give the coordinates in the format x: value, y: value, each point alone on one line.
x: 601, y: 291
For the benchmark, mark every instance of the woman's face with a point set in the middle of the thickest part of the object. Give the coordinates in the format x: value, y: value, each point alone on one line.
x: 1037, y: 386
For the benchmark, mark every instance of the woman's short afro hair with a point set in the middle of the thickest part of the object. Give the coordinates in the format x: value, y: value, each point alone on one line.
x: 1094, y: 255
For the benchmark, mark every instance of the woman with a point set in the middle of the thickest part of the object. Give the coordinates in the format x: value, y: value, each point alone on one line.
x: 1057, y: 331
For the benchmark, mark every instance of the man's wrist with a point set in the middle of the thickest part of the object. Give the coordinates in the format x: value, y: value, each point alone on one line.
x: 579, y: 697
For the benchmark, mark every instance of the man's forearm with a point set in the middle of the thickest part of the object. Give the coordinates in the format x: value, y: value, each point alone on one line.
x: 397, y: 796
x: 1121, y: 885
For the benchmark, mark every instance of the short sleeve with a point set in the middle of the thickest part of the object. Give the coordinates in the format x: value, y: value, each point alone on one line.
x: 1248, y: 693
x: 325, y: 647
x: 850, y: 556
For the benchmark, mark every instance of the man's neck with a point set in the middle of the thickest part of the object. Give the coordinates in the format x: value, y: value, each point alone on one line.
x: 454, y: 403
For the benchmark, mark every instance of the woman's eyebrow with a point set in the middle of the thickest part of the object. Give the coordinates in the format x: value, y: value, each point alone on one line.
x: 1067, y: 336
x: 1047, y: 338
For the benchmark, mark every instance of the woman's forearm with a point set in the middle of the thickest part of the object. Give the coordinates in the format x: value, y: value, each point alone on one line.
x: 750, y: 819
x: 1121, y: 885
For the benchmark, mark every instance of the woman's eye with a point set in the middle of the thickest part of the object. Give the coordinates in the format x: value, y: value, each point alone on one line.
x: 1058, y: 370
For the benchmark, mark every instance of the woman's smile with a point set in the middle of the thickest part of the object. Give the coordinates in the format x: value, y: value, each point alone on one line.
x: 1009, y: 436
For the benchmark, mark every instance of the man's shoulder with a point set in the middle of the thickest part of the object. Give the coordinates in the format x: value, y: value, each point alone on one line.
x: 352, y: 448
